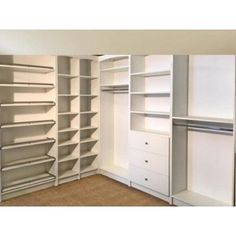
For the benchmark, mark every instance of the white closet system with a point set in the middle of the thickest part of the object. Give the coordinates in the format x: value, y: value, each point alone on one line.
x: 160, y: 123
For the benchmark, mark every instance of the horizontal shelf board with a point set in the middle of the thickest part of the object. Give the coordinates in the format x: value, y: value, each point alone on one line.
x: 88, y: 95
x: 28, y: 182
x: 114, y: 85
x: 67, y: 113
x: 88, y: 128
x: 27, y: 123
x: 68, y: 76
x: 88, y: 112
x: 205, y: 119
x: 163, y: 93
x: 152, y: 74
x: 117, y: 170
x: 112, y: 58
x: 196, y: 199
x: 88, y: 77
x: 27, y: 85
x: 17, y: 104
x: 157, y: 113
x: 160, y: 132
x: 68, y: 130
x: 67, y: 174
x: 28, y: 162
x: 67, y: 143
x: 68, y: 95
x: 87, y: 169
x: 28, y: 143
x: 27, y: 68
x: 116, y: 69
x: 88, y: 154
x: 88, y: 140
x: 67, y: 158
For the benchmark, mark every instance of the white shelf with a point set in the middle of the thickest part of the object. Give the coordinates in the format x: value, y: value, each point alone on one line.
x: 67, y: 76
x: 88, y: 112
x: 152, y: 74
x: 68, y: 95
x: 157, y: 113
x: 33, y: 103
x: 67, y: 113
x: 88, y: 169
x: 27, y: 68
x: 159, y: 132
x: 67, y: 158
x: 88, y: 140
x: 88, y: 77
x: 67, y: 174
x: 27, y: 85
x: 68, y: 143
x: 114, y: 85
x: 88, y: 154
x: 88, y: 128
x: 116, y: 69
x: 28, y: 162
x: 117, y: 170
x: 205, y: 119
x: 28, y: 182
x: 27, y: 123
x: 28, y: 143
x: 88, y: 95
x: 195, y: 199
x: 162, y: 93
x: 112, y: 58
x: 68, y: 130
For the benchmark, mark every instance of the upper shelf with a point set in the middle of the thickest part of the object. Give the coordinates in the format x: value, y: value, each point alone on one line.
x: 27, y: 68
x: 160, y: 93
x: 68, y: 76
x: 33, y: 103
x: 116, y: 69
x: 152, y: 74
x: 28, y: 85
x: 88, y: 77
x: 204, y: 119
x: 112, y: 57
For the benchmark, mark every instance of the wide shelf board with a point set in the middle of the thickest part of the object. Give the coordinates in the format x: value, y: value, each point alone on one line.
x: 68, y: 95
x: 88, y: 128
x: 27, y: 123
x: 88, y: 77
x: 196, y: 199
x: 28, y: 162
x: 204, y: 119
x: 152, y: 73
x: 28, y: 143
x: 116, y: 69
x: 88, y: 95
x: 28, y: 103
x: 86, y: 169
x: 163, y: 93
x: 67, y: 158
x: 27, y: 85
x: 68, y: 130
x: 112, y: 58
x: 159, y: 132
x: 27, y: 68
x: 117, y: 170
x: 157, y: 113
x: 68, y: 76
x: 88, y: 154
x: 67, y: 174
x: 67, y: 113
x: 114, y: 85
x: 88, y: 140
x: 28, y: 182
x: 67, y: 143
x: 88, y: 112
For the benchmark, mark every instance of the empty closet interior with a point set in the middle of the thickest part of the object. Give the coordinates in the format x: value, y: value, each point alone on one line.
x: 164, y: 124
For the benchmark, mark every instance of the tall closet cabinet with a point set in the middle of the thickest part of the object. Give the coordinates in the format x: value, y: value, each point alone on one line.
x: 164, y: 124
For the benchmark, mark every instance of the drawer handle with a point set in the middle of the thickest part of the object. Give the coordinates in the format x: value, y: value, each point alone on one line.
x: 146, y: 143
x: 146, y: 161
x: 146, y: 179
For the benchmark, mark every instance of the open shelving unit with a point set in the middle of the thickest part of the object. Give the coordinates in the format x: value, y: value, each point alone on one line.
x: 114, y: 86
x: 150, y: 93
x: 27, y: 124
x: 89, y: 115
x: 68, y: 118
x: 203, y: 140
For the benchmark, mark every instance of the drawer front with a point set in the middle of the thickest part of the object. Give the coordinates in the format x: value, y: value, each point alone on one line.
x: 153, y: 162
x: 149, y: 142
x: 148, y: 179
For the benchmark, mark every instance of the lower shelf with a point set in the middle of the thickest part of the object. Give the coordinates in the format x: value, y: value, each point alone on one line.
x: 196, y: 199
x: 67, y: 174
x: 67, y: 158
x: 28, y: 182
x: 88, y: 154
x: 117, y: 170
x: 88, y: 169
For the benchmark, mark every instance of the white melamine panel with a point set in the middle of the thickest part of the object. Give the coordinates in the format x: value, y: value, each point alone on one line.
x: 211, y: 86
x: 152, y: 162
x: 154, y: 181
x: 157, y: 124
x: 158, y: 63
x: 210, y: 165
x: 158, y: 84
x: 149, y: 142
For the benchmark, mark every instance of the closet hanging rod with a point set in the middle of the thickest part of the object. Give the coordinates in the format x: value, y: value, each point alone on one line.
x: 206, y: 128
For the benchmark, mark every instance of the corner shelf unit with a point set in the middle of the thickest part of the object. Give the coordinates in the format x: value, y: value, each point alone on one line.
x: 27, y: 124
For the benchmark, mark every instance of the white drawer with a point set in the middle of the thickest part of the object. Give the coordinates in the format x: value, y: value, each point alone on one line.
x: 149, y: 179
x: 154, y: 162
x: 149, y: 142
